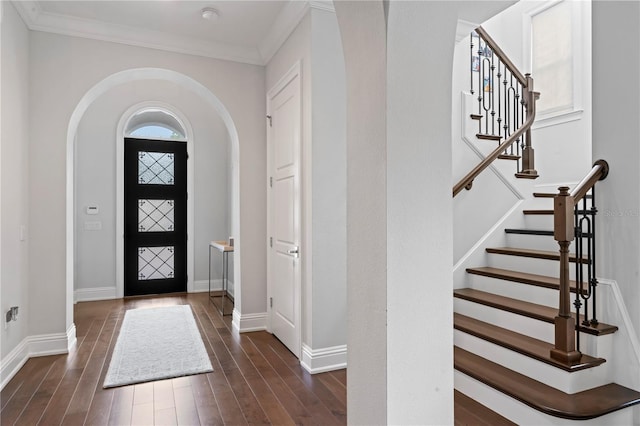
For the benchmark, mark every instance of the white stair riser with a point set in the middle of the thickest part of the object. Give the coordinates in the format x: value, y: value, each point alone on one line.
x: 560, y: 379
x: 538, y: 221
x: 597, y: 346
x: 534, y: 242
x: 530, y: 293
x: 521, y: 413
x: 530, y: 265
x: 514, y: 322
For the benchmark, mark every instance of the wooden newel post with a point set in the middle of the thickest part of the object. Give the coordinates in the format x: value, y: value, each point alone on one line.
x: 565, y: 323
x: 528, y: 159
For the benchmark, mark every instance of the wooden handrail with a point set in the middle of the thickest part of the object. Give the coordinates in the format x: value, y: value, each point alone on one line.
x: 466, y: 181
x: 564, y: 233
x: 503, y: 56
x: 599, y: 171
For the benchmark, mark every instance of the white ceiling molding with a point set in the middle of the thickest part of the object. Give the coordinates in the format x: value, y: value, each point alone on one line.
x: 287, y: 21
x: 38, y: 20
x: 326, y: 5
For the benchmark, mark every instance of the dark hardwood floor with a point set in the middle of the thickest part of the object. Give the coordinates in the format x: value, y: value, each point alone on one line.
x: 256, y: 380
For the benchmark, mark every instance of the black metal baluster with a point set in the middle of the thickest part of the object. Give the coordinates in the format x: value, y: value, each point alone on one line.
x: 480, y: 79
x: 498, y: 75
x: 492, y: 93
x: 578, y: 298
x: 486, y: 102
x: 471, y: 64
x: 594, y: 279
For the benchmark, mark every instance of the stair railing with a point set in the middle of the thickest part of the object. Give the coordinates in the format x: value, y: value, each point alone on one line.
x: 506, y: 107
x: 572, y: 221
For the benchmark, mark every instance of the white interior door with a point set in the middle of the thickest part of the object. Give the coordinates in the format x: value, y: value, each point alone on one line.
x: 283, y: 106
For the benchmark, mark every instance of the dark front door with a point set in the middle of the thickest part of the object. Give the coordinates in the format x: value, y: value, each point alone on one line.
x: 155, y: 217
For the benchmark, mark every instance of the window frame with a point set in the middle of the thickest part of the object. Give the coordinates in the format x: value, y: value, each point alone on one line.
x: 581, y: 41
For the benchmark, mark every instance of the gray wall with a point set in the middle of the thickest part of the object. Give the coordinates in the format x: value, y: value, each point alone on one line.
x: 329, y: 180
x: 96, y: 177
x: 14, y: 168
x: 616, y: 129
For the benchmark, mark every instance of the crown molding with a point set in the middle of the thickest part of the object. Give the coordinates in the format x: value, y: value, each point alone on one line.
x: 287, y: 21
x: 38, y: 20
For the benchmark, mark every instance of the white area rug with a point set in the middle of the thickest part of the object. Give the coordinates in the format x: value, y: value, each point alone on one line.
x: 157, y: 343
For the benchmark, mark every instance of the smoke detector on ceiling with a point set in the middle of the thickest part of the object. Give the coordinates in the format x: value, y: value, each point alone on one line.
x: 210, y: 14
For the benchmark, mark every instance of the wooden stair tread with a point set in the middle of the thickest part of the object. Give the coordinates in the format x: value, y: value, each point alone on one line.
x: 551, y: 195
x: 468, y: 411
x: 542, y: 232
x: 525, y: 345
x: 476, y: 116
x: 531, y: 310
x: 508, y: 157
x: 549, y: 212
x: 521, y: 277
x: 526, y: 176
x: 538, y: 254
x: 538, y: 212
x: 583, y: 405
x: 496, y: 138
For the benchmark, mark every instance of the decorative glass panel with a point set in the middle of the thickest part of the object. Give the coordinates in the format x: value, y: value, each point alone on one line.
x: 155, y: 215
x: 155, y: 263
x: 155, y: 168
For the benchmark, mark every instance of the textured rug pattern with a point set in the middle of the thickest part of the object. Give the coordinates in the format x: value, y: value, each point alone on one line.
x: 155, y: 344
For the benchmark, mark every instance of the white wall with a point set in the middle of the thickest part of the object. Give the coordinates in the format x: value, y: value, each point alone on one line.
x: 363, y: 32
x: 14, y: 201
x: 96, y: 178
x: 616, y: 86
x: 63, y: 69
x: 316, y: 44
x: 399, y: 224
x: 329, y: 169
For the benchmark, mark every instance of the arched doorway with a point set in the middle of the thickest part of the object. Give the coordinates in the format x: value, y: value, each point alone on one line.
x: 186, y: 84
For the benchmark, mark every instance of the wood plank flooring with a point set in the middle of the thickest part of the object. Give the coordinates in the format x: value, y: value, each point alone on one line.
x: 256, y: 380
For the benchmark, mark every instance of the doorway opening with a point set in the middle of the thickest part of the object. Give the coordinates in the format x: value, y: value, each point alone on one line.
x: 155, y: 204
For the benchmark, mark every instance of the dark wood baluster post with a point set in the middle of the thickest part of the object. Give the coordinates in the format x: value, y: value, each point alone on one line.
x: 528, y: 163
x: 565, y: 324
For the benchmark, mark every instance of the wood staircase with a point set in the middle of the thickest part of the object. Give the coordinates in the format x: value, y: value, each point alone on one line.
x: 497, y: 333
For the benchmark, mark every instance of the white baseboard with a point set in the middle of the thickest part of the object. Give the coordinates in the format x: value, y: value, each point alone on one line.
x: 34, y: 346
x: 249, y: 322
x: 202, y: 286
x: 323, y: 359
x: 13, y: 362
x: 91, y: 294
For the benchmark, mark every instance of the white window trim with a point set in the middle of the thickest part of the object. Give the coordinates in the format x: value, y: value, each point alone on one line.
x: 581, y: 69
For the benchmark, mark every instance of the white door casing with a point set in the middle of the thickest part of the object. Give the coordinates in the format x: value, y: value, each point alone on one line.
x: 284, y: 193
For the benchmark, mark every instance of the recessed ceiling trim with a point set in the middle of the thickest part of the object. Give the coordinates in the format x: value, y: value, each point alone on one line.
x: 38, y: 20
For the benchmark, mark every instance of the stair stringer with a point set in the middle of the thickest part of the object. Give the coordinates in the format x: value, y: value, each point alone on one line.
x: 623, y: 354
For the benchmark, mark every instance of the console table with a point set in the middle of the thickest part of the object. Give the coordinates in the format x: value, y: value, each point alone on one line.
x: 224, y: 248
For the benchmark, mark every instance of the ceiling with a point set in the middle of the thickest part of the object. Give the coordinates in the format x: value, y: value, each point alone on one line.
x: 247, y: 31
